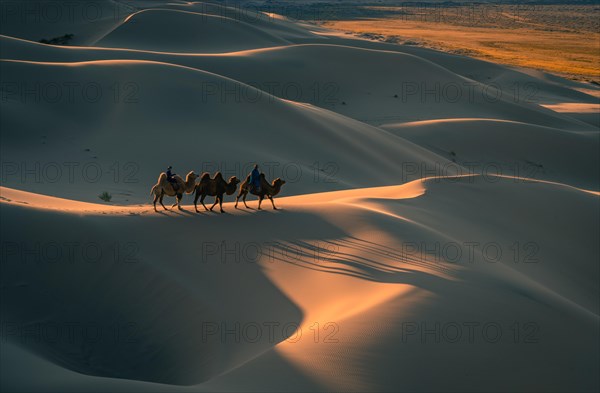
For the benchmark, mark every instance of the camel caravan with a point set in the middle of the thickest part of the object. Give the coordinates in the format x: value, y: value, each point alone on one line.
x: 170, y: 184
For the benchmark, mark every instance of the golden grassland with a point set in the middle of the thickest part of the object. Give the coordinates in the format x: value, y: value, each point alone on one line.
x: 560, y: 40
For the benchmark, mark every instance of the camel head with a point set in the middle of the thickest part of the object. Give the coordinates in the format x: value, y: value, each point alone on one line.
x: 231, y: 186
x: 278, y: 182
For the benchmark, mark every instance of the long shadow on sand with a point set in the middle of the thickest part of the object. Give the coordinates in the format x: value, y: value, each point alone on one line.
x: 360, y: 259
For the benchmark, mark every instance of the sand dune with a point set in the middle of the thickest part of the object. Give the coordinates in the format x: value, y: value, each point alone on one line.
x: 510, y: 148
x: 392, y: 87
x: 268, y: 22
x: 294, y: 144
x: 146, y: 30
x: 382, y: 270
x: 518, y: 85
x: 389, y: 284
x: 46, y: 19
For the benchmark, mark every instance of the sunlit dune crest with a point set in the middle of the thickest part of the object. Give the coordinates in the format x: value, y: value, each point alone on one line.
x: 574, y: 107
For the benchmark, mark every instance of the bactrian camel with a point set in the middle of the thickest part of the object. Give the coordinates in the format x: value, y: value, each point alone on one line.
x: 266, y: 189
x: 164, y: 187
x: 217, y: 186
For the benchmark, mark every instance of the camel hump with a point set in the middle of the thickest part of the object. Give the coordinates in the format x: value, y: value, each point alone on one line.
x: 218, y: 175
x: 205, y: 176
x: 162, y: 177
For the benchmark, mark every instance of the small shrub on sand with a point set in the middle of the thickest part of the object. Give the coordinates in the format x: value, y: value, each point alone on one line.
x: 64, y: 40
x: 105, y: 196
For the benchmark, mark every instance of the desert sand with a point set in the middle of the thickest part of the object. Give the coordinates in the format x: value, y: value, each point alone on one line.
x: 438, y: 230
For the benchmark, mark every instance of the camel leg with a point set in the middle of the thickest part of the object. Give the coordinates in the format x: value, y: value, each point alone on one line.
x: 239, y: 195
x: 244, y: 200
x: 161, y: 201
x: 272, y: 203
x: 176, y: 200
x: 154, y: 202
x: 196, y: 202
x: 221, y: 204
x: 260, y: 199
x: 214, y: 204
x: 202, y: 202
x: 179, y: 198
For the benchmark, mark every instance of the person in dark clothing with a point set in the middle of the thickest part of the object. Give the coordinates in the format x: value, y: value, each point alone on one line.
x: 255, y: 179
x: 171, y: 179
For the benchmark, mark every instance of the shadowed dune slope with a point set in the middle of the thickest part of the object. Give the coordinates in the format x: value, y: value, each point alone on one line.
x: 510, y: 148
x: 187, y: 32
x: 392, y: 86
x: 46, y: 19
x: 191, y: 119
